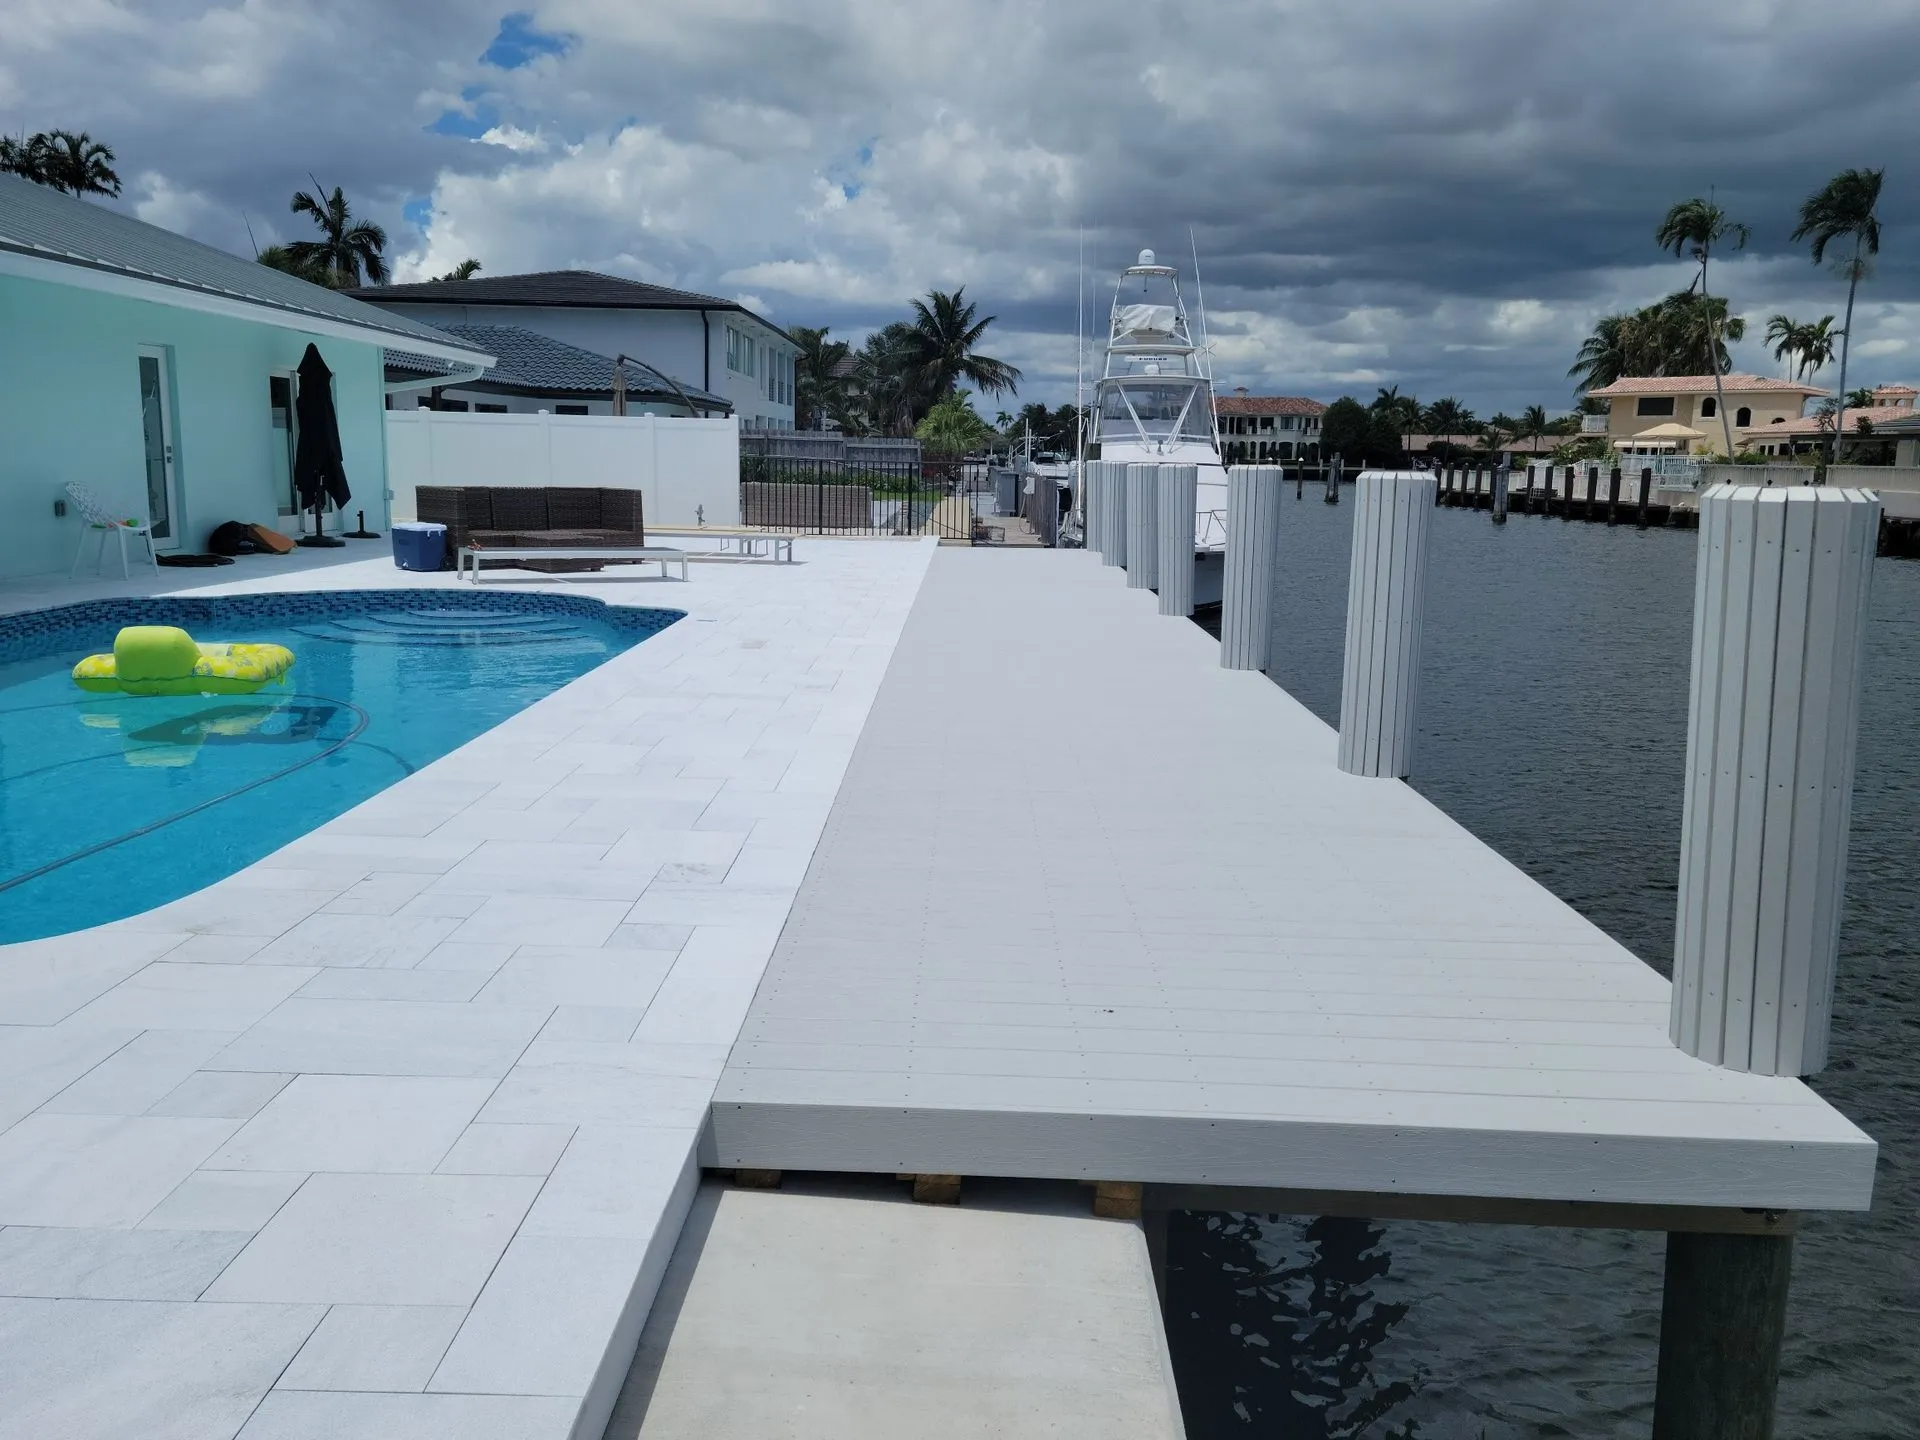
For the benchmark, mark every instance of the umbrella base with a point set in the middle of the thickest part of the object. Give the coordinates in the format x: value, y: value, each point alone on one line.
x: 321, y: 542
x: 359, y: 534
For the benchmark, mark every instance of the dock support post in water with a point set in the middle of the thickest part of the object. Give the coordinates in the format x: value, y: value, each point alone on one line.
x: 1143, y: 527
x: 1722, y: 1318
x: 1178, y: 486
x: 1613, y: 494
x: 1566, y: 499
x: 1593, y: 487
x: 1779, y: 632
x: 1646, y: 494
x: 1385, y: 600
x: 1334, y: 472
x: 1246, y: 591
x: 1502, y: 478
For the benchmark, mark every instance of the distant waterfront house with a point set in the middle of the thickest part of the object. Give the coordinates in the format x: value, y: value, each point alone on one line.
x: 1889, y: 420
x: 161, y: 374
x: 702, y: 341
x: 1266, y: 429
x: 534, y: 372
x: 1646, y: 403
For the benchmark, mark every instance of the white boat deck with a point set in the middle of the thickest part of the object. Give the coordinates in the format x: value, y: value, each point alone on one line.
x: 1090, y: 906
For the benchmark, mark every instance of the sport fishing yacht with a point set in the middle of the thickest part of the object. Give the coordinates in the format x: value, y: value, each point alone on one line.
x: 1154, y: 405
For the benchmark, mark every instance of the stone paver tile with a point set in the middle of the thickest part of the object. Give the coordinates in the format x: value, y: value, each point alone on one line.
x: 385, y: 1037
x: 166, y: 995
x: 58, y: 1263
x: 139, y: 1074
x: 564, y: 975
x: 224, y: 1200
x: 98, y: 1169
x: 533, y: 920
x: 374, y: 1347
x: 381, y: 1240
x: 486, y: 1149
x: 44, y: 981
x: 364, y: 1123
x: 220, y: 1094
x: 363, y: 1415
x: 381, y: 940
x: 110, y: 1369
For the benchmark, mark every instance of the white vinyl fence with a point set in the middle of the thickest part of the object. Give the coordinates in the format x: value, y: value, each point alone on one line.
x: 688, y: 470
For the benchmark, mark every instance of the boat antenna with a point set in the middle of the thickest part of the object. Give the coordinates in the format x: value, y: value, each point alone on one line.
x: 1079, y: 379
x: 1206, y: 345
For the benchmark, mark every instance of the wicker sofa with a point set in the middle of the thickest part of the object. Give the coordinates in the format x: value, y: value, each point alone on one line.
x: 518, y: 515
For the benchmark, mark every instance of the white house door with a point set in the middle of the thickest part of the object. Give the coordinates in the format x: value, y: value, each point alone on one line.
x: 156, y: 418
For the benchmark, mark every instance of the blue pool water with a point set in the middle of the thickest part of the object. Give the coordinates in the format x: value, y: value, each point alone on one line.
x: 111, y: 805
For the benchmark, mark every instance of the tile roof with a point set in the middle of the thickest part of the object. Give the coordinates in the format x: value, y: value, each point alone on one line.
x: 47, y: 225
x: 561, y: 288
x: 1266, y: 405
x: 531, y: 362
x: 1699, y: 385
x: 1875, y: 415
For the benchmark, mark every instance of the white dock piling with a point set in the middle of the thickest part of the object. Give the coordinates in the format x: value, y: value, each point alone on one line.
x: 1115, y: 552
x: 1143, y: 527
x: 1385, y: 601
x: 1253, y: 538
x: 1779, y: 626
x: 1177, y: 487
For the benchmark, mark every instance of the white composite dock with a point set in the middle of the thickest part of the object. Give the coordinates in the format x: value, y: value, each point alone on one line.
x: 1090, y: 906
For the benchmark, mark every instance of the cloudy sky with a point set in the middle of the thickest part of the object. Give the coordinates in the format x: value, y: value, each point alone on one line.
x: 1439, y: 194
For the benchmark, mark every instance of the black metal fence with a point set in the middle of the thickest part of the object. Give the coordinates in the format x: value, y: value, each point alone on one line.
x: 817, y: 496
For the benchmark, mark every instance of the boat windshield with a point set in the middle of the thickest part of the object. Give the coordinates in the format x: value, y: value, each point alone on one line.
x: 1159, y: 406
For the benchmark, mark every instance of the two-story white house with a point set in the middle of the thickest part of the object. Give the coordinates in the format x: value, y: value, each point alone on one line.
x: 702, y: 341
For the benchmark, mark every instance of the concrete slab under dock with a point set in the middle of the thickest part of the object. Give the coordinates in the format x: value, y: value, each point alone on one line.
x: 837, y: 1309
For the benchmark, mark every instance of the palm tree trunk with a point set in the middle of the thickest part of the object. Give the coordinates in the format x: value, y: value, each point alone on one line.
x: 1713, y: 363
x: 1846, y: 344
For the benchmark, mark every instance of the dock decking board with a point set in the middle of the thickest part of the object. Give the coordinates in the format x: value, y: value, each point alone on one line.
x: 1088, y: 905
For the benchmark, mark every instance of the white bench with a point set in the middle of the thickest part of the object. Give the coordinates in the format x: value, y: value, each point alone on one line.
x: 474, y: 554
x: 780, y: 544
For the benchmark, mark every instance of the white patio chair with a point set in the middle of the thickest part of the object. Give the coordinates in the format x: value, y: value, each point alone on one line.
x: 103, y: 521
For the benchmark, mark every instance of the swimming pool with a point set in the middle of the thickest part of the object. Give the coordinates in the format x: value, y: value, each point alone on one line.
x: 111, y: 804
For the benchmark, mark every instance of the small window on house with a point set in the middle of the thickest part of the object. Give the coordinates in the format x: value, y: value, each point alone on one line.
x: 569, y: 409
x: 480, y: 409
x: 456, y: 405
x: 1708, y: 408
x: 1654, y: 405
x: 1743, y: 417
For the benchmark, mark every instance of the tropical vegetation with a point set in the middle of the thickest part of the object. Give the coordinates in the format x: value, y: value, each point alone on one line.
x: 952, y: 427
x: 1842, y: 210
x: 465, y: 270
x: 1807, y: 343
x: 1691, y: 229
x: 73, y: 163
x: 1674, y: 336
x: 902, y: 372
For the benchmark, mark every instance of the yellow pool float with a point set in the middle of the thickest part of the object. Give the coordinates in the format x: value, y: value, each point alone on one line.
x: 165, y: 660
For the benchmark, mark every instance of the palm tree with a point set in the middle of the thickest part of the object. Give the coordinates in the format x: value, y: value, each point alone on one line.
x: 885, y: 375
x: 348, y: 248
x: 1446, y: 418
x: 943, y: 336
x: 1405, y: 412
x: 76, y: 164
x: 276, y: 257
x: 1608, y: 354
x: 1840, y: 209
x: 819, y: 389
x: 465, y: 270
x: 1816, y: 345
x: 1783, y: 334
x: 1534, y: 425
x: 1809, y: 343
x: 1860, y: 397
x: 1692, y: 228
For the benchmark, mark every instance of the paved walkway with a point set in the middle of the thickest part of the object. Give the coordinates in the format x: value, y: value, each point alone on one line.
x: 1089, y: 906
x: 389, y: 1136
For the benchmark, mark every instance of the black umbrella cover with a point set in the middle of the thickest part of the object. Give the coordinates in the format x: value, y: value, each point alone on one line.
x: 317, y: 467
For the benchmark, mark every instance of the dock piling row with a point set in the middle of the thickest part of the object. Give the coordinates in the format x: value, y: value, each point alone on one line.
x: 1385, y: 601
x: 1143, y: 527
x: 1178, y: 486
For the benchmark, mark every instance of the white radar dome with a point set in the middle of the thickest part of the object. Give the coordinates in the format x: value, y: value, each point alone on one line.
x: 1146, y: 257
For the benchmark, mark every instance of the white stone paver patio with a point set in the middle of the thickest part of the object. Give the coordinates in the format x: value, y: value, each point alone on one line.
x: 390, y: 1134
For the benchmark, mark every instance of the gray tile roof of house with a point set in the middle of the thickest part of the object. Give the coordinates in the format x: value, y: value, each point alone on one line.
x: 588, y: 288
x: 47, y: 225
x: 528, y: 362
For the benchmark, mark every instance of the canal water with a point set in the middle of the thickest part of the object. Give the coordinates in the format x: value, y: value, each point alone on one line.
x: 1553, y: 725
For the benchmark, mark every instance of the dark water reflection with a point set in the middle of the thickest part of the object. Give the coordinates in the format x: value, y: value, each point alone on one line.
x: 1554, y: 726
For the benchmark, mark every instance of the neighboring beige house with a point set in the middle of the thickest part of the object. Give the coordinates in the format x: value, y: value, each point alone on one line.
x: 1679, y: 414
x: 1892, y: 405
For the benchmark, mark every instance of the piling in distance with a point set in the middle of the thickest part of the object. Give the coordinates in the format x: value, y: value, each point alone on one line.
x: 1143, y: 526
x: 1252, y: 560
x: 1393, y: 511
x: 1116, y: 552
x: 1779, y: 629
x: 1177, y: 486
x: 1334, y: 469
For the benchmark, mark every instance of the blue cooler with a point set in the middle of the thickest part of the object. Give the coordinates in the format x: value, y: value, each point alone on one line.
x: 419, y: 545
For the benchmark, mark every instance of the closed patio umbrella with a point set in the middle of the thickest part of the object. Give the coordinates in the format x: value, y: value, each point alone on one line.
x: 318, y: 472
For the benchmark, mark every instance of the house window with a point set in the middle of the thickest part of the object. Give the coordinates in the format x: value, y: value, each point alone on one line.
x: 280, y: 398
x: 1654, y: 405
x: 569, y: 409
x: 1743, y: 417
x: 482, y: 409
x: 1708, y: 408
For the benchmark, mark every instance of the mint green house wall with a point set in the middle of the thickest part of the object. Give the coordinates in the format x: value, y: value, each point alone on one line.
x: 70, y: 410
